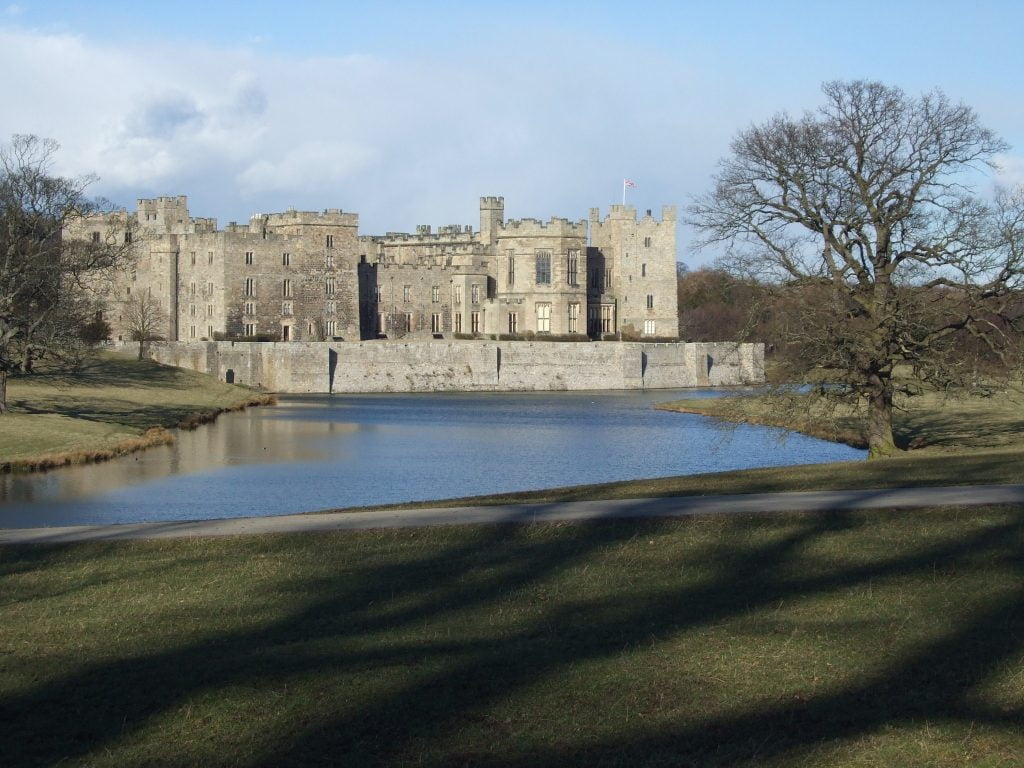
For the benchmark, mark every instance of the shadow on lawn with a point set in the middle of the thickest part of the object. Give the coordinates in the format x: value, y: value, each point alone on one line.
x: 99, y: 708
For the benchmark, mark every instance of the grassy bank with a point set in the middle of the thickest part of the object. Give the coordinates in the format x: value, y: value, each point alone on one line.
x: 845, y: 640
x: 114, y: 405
x: 937, y: 422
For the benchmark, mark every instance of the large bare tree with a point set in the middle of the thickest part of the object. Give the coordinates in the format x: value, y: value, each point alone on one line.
x: 865, y: 211
x: 46, y: 281
x: 143, y: 317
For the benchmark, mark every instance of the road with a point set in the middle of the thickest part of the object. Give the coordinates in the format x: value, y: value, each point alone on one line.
x: 803, y: 501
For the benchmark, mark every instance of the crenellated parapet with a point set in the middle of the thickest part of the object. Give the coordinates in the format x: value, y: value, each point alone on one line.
x: 555, y: 227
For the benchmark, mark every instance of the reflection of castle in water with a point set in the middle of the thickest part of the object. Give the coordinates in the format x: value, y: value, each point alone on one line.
x: 246, y: 437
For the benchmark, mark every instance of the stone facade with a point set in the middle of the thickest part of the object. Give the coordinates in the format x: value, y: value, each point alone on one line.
x: 467, y: 366
x: 308, y: 276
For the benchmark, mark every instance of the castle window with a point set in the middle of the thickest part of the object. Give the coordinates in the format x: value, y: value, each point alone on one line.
x: 209, y: 257
x: 511, y: 268
x: 406, y: 293
x: 248, y: 258
x: 543, y: 318
x: 329, y: 308
x: 608, y: 277
x: 543, y: 268
x: 286, y: 259
x: 474, y: 293
x: 286, y: 333
x: 474, y: 322
x: 606, y: 318
x: 458, y: 324
x: 286, y: 288
x: 572, y: 267
x: 330, y: 241
x: 330, y: 259
x: 250, y: 308
x: 650, y: 301
x: 435, y: 323
x: 513, y: 322
x: 250, y: 286
x: 95, y: 237
x: 458, y: 294
x: 329, y: 327
x: 127, y: 235
x: 376, y: 293
x: 209, y: 331
x: 209, y: 310
x: 329, y: 286
x: 647, y: 242
x: 574, y: 316
x: 643, y: 270
x: 435, y: 293
x: 192, y: 331
x: 408, y: 321
x: 286, y: 308
x: 193, y: 257
x: 250, y: 329
x: 648, y: 327
x: 191, y: 310
x: 192, y: 289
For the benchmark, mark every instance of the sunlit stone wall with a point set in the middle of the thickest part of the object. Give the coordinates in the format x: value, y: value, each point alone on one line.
x: 466, y: 366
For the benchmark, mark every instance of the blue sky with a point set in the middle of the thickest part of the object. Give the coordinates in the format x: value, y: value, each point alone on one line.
x: 408, y: 112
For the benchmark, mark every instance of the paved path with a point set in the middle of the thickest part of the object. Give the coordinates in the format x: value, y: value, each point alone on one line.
x: 804, y: 501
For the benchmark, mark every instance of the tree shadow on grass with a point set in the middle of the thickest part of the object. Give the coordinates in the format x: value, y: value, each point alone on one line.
x: 107, y: 371
x: 383, y: 616
x: 108, y: 411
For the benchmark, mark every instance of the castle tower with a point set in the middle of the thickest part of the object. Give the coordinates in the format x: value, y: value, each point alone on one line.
x: 633, y: 274
x: 492, y: 215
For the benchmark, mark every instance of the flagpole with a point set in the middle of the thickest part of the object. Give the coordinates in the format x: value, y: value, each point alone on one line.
x: 623, y: 192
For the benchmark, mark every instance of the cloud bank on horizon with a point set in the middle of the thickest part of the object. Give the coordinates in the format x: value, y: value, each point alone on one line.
x: 408, y: 123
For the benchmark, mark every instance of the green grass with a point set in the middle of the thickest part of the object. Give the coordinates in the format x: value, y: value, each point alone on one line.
x: 111, y: 402
x: 853, y: 639
x: 935, y: 422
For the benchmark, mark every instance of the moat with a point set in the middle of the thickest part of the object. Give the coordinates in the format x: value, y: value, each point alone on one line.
x: 317, y: 451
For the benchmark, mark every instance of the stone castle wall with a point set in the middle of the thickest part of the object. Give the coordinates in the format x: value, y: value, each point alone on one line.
x: 467, y: 366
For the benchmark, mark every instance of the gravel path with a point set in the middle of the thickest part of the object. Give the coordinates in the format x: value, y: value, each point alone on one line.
x: 804, y: 501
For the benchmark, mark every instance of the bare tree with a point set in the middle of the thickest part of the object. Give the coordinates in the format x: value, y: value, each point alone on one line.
x: 46, y: 283
x: 143, y: 317
x: 865, y: 212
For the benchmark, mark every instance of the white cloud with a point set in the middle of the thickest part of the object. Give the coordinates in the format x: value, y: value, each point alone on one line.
x: 1011, y: 170
x: 399, y: 141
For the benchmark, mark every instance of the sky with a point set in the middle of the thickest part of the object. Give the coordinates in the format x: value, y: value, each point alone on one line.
x: 408, y: 112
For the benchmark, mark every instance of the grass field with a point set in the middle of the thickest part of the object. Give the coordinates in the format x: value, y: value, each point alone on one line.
x: 113, y: 405
x: 844, y: 640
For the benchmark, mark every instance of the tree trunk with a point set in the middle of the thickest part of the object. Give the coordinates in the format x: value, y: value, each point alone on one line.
x: 880, y: 439
x: 3, y: 391
x: 141, y: 343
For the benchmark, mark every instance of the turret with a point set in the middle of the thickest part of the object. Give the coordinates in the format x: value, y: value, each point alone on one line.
x: 492, y: 214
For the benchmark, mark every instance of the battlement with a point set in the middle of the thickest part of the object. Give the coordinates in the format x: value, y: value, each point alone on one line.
x: 453, y: 235
x: 556, y: 227
x: 492, y: 202
x: 628, y: 213
x: 328, y: 217
x: 163, y: 203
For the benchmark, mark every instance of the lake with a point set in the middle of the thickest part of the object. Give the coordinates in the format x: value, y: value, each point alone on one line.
x: 320, y: 451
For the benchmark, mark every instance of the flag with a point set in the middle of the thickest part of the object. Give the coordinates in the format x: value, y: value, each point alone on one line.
x: 628, y: 183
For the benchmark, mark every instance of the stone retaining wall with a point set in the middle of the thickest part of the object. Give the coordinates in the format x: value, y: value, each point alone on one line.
x: 466, y: 366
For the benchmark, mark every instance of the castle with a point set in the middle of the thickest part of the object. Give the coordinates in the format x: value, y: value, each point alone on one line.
x: 308, y: 276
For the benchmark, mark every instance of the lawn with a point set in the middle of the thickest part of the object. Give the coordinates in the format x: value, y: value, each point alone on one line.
x: 853, y: 639
x: 114, y: 404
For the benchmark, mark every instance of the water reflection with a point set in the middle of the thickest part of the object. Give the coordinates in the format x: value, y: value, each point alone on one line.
x: 317, y: 451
